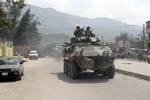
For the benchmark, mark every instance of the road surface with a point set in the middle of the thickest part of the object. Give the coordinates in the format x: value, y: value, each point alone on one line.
x: 44, y: 80
x: 135, y: 66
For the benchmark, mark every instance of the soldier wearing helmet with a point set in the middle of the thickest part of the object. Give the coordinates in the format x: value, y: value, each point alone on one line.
x: 78, y: 32
x: 88, y: 32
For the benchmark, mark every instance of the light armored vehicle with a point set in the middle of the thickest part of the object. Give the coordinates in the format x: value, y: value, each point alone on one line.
x: 91, y: 55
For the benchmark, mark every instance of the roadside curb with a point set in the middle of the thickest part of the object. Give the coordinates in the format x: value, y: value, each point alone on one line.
x: 137, y: 75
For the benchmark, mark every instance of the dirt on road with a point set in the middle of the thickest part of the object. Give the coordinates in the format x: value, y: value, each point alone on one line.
x: 44, y: 80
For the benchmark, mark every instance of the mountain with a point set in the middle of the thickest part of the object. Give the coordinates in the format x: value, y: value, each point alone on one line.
x: 53, y: 21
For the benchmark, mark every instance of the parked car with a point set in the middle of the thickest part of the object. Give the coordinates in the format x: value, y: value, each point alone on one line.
x: 11, y: 67
x: 33, y: 54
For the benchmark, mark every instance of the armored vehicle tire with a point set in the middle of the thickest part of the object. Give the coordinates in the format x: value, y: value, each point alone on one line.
x: 65, y: 67
x: 111, y: 72
x: 73, y: 70
x: 69, y: 68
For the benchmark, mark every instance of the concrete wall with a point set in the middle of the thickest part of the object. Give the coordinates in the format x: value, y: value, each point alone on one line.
x: 6, y: 49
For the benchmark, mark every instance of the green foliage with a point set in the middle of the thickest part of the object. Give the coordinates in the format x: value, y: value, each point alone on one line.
x: 2, y: 13
x: 14, y: 10
x: 27, y: 32
x: 5, y: 33
x: 22, y: 29
x: 10, y: 13
x: 5, y: 22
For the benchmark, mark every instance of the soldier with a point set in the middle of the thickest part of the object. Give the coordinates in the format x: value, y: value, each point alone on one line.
x: 88, y: 32
x: 78, y: 32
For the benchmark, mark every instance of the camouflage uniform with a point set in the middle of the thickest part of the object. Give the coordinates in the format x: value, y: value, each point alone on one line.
x: 78, y: 32
x: 88, y: 32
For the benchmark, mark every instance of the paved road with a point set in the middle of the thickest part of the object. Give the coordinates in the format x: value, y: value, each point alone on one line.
x: 44, y: 80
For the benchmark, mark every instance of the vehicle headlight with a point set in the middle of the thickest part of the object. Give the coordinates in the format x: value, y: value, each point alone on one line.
x: 14, y: 69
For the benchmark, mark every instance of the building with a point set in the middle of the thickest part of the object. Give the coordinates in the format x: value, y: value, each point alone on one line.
x: 6, y: 49
x: 130, y: 43
x: 123, y: 43
x: 148, y: 33
x: 136, y: 43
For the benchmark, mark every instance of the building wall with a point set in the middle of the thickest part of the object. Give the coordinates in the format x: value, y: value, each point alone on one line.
x: 136, y: 44
x: 123, y: 44
x: 6, y: 49
x: 148, y: 33
x: 1, y: 48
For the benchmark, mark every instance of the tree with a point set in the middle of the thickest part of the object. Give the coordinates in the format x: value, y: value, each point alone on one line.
x: 27, y: 32
x: 10, y: 13
x: 1, y: 10
x: 14, y: 10
x: 22, y: 29
x: 5, y: 24
x: 5, y: 33
x: 122, y: 36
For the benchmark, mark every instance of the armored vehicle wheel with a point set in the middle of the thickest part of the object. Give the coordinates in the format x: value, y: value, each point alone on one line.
x: 69, y: 68
x: 111, y: 72
x: 65, y: 67
x: 73, y: 71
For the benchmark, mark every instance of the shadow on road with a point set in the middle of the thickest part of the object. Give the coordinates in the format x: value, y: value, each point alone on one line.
x: 7, y: 80
x: 88, y: 78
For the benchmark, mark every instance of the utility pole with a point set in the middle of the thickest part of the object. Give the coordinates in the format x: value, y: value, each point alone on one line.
x: 143, y: 36
x: 102, y: 39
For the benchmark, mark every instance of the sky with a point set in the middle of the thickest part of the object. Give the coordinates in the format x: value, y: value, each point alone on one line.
x: 129, y: 11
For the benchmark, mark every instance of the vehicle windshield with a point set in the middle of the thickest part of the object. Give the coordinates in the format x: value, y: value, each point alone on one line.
x: 33, y: 52
x: 9, y: 61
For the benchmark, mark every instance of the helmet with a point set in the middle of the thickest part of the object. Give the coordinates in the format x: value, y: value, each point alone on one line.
x: 78, y: 27
x: 89, y: 27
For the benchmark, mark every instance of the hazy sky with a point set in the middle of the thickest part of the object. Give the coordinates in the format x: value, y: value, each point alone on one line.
x: 129, y: 11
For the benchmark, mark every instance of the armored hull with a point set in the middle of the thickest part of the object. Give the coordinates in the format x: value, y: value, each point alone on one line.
x: 83, y: 56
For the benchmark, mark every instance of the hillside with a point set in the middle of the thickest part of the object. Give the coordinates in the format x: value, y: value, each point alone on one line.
x: 58, y: 22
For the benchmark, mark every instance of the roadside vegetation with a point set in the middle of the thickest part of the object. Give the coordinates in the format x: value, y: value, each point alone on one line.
x: 18, y: 24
